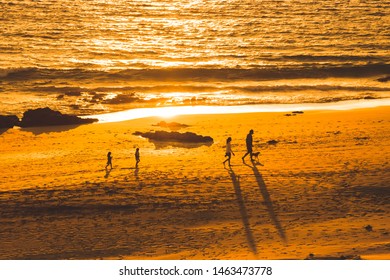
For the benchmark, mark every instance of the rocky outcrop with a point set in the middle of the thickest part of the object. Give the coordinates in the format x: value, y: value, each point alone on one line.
x: 49, y: 117
x: 9, y: 121
x: 384, y: 79
x: 171, y: 125
x: 164, y: 136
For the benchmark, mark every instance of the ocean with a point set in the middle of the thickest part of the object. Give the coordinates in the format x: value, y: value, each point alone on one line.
x: 93, y: 57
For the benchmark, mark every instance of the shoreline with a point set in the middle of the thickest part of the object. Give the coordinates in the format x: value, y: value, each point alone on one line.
x: 173, y: 111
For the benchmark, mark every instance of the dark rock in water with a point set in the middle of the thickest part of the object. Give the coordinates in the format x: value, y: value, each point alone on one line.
x: 73, y: 93
x: 297, y: 112
x: 48, y: 117
x: 384, y: 79
x: 164, y: 136
x: 272, y: 142
x: 9, y: 121
x: 121, y: 99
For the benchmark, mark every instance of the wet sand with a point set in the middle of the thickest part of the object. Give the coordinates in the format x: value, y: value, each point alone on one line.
x: 322, y: 189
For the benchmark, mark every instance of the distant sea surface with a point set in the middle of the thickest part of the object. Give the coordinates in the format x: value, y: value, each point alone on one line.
x: 96, y: 56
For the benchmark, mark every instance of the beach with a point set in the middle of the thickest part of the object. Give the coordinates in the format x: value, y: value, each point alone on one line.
x: 319, y: 190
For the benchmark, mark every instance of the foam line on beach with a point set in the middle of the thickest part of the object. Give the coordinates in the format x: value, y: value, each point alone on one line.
x: 140, y: 113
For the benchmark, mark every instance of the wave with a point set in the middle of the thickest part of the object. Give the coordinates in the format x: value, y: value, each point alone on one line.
x: 197, y: 95
x: 201, y: 74
x: 162, y: 89
x: 32, y: 73
x: 263, y: 73
x: 338, y: 58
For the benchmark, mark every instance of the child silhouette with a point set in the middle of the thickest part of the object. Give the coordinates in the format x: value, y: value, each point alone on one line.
x: 229, y: 151
x: 109, y: 160
x: 137, y: 160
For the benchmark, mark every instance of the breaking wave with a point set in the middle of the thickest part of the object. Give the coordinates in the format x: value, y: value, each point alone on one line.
x: 200, y: 74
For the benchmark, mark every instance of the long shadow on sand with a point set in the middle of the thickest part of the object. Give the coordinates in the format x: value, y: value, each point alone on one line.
x: 243, y: 212
x: 268, y: 201
x: 108, y: 171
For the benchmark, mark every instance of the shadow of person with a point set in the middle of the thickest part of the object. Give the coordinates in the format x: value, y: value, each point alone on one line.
x: 268, y: 201
x: 108, y: 171
x: 243, y: 212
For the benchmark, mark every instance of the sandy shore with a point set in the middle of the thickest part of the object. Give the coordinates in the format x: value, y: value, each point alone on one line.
x: 319, y: 187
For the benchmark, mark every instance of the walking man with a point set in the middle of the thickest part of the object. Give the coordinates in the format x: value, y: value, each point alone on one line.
x: 249, y: 145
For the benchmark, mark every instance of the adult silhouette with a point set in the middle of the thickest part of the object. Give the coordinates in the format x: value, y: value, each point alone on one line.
x: 249, y: 145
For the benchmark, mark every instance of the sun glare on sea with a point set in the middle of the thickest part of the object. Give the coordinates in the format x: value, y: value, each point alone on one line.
x: 168, y: 112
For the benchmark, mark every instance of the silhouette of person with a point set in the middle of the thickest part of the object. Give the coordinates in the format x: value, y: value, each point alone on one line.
x: 249, y: 145
x: 229, y: 151
x: 137, y: 159
x: 109, y: 160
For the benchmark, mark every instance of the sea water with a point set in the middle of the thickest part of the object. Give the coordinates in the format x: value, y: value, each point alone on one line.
x: 99, y: 56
